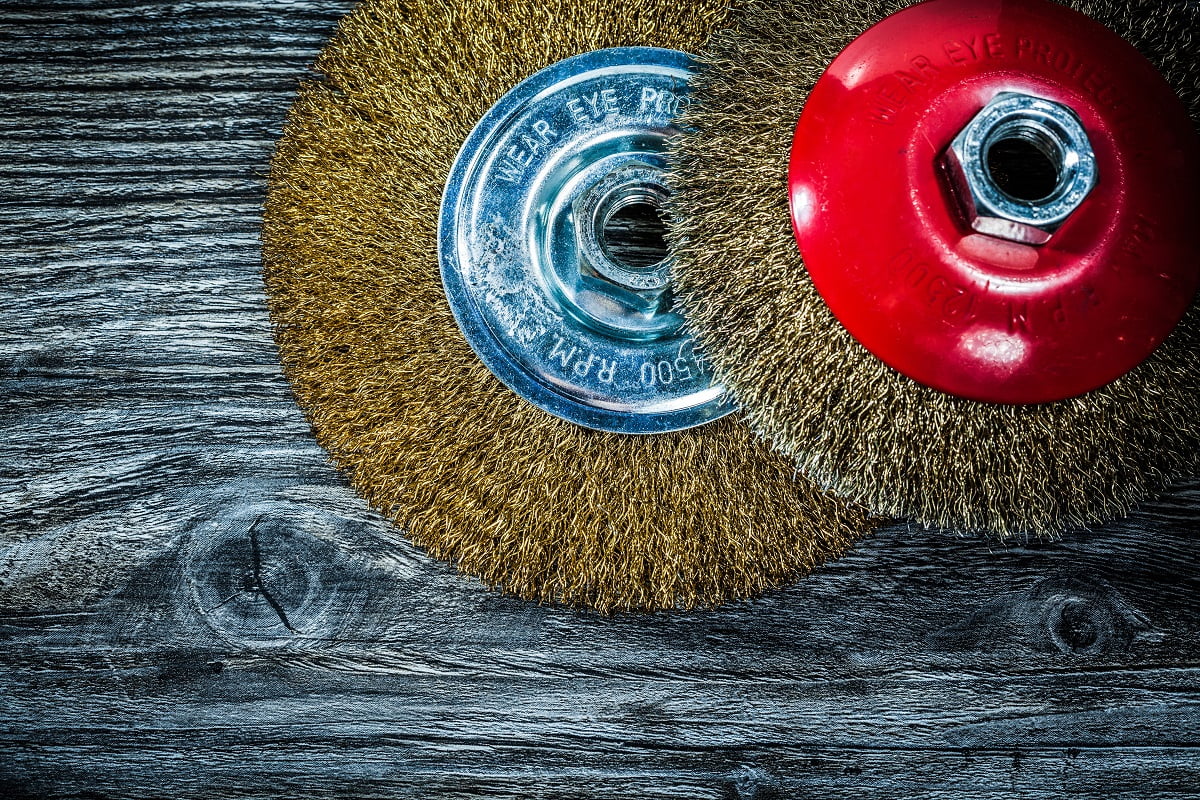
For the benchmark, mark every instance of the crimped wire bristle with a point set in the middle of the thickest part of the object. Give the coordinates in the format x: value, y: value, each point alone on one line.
x: 538, y: 507
x: 849, y: 421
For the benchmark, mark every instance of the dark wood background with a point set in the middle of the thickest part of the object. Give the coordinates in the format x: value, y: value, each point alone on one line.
x: 193, y: 604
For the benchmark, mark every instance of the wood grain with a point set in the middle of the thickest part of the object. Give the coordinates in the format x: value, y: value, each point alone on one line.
x: 193, y: 603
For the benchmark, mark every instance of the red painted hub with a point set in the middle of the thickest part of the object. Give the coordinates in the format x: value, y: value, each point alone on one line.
x: 889, y: 246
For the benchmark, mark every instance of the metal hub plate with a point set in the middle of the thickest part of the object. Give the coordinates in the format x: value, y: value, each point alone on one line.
x: 530, y: 279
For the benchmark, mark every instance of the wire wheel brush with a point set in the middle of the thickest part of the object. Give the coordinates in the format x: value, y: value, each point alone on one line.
x: 951, y: 290
x: 544, y: 126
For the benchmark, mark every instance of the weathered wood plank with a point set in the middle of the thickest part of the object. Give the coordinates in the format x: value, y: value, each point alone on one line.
x: 194, y: 604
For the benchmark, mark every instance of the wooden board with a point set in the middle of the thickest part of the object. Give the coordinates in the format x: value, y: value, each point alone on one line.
x: 193, y: 604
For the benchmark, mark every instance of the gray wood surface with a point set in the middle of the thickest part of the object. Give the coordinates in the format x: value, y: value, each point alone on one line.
x: 193, y: 604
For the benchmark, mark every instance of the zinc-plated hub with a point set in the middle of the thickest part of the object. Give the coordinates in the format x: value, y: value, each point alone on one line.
x: 532, y: 281
x: 1050, y: 136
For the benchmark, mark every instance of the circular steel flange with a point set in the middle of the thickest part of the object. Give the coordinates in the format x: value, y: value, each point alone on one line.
x: 1006, y: 301
x: 532, y: 284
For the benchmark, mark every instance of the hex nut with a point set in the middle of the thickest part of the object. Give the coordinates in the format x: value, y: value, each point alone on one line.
x: 1045, y: 127
x: 630, y: 183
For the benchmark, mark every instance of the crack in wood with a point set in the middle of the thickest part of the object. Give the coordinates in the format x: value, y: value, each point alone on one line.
x: 259, y: 586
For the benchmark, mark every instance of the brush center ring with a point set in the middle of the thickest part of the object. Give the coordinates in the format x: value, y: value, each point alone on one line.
x: 535, y: 245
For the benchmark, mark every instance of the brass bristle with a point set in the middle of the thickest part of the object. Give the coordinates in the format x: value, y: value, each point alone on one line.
x: 847, y: 420
x: 535, y: 506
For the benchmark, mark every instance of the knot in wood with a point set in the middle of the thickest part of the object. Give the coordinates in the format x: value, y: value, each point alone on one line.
x: 266, y: 579
x: 1086, y: 616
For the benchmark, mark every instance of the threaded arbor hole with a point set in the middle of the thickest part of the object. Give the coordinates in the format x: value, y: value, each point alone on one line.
x: 634, y: 234
x: 1026, y: 163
